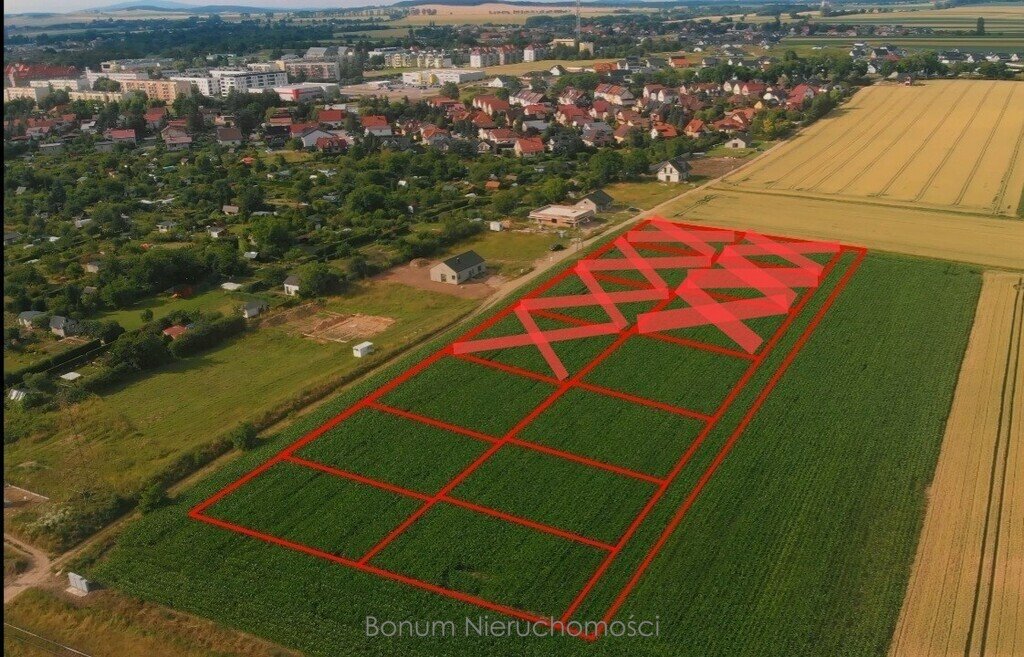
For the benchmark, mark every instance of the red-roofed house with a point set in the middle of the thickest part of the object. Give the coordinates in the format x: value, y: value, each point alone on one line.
x: 331, y: 144
x: 331, y: 117
x: 695, y: 128
x: 491, y: 105
x: 663, y: 131
x: 155, y: 116
x: 121, y: 136
x: 375, y: 125
x: 175, y: 331
x: 529, y: 147
x: 613, y: 93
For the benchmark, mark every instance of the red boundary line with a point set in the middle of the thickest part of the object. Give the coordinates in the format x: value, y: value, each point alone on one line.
x: 370, y: 401
x: 733, y: 438
x: 794, y: 311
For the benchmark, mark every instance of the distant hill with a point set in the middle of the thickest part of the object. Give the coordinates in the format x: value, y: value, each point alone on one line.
x: 146, y: 4
x: 170, y: 5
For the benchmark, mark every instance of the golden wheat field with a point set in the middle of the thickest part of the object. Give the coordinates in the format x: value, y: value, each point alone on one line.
x: 988, y: 241
x: 966, y: 591
x: 956, y: 145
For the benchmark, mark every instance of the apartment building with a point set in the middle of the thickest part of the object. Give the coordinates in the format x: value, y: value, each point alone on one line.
x: 165, y: 90
x: 314, y: 70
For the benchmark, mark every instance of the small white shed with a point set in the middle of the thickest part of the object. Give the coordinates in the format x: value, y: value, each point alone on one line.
x: 362, y: 349
x: 78, y: 584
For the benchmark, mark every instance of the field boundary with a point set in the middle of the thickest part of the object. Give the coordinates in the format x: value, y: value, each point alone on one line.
x: 733, y: 265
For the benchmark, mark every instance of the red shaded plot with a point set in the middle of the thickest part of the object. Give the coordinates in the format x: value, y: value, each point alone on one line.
x: 639, y: 295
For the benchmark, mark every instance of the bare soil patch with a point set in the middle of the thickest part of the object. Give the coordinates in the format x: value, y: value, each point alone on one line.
x: 714, y: 167
x: 417, y: 274
x: 312, y: 321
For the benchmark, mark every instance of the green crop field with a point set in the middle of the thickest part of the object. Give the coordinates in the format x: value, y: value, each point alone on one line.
x: 802, y: 541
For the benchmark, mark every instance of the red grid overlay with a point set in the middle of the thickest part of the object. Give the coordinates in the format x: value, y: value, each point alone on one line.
x: 778, y: 278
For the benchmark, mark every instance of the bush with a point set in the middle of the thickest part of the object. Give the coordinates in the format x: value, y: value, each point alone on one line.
x: 244, y: 437
x: 80, y: 516
x: 204, y: 335
x: 152, y: 497
x: 15, y: 376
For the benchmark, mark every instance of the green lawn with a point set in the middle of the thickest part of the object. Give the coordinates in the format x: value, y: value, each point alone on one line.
x: 645, y: 194
x: 510, y: 252
x: 33, y: 353
x: 126, y: 435
x: 802, y: 541
x: 214, y: 300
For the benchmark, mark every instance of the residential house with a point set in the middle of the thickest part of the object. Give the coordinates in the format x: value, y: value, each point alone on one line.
x: 491, y: 105
x: 331, y: 144
x: 664, y: 131
x: 155, y: 117
x: 63, y: 326
x: 674, y: 170
x: 229, y: 136
x: 595, y: 201
x: 375, y: 125
x: 528, y: 147
x: 613, y: 93
x: 562, y: 216
x: 332, y: 118
x: 27, y: 318
x: 695, y: 128
x: 737, y: 142
x: 121, y: 136
x: 175, y: 139
x: 458, y: 269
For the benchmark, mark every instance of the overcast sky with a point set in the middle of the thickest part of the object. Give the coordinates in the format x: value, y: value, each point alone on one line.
x: 23, y: 6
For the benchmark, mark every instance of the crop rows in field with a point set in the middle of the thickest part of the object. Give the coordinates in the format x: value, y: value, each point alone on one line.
x: 956, y: 145
x: 802, y: 540
x: 469, y: 451
x: 966, y: 588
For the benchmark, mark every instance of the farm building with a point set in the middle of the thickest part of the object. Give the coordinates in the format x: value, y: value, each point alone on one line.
x: 362, y: 349
x: 17, y: 394
x: 291, y: 285
x: 561, y: 215
x: 217, y: 231
x: 674, y: 170
x: 253, y: 309
x: 458, y: 268
x: 26, y: 318
x: 63, y: 326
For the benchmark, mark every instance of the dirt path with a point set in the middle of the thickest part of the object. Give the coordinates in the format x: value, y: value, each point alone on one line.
x: 38, y: 571
x: 966, y: 591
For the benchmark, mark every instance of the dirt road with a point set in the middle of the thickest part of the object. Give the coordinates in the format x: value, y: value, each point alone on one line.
x: 38, y: 571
